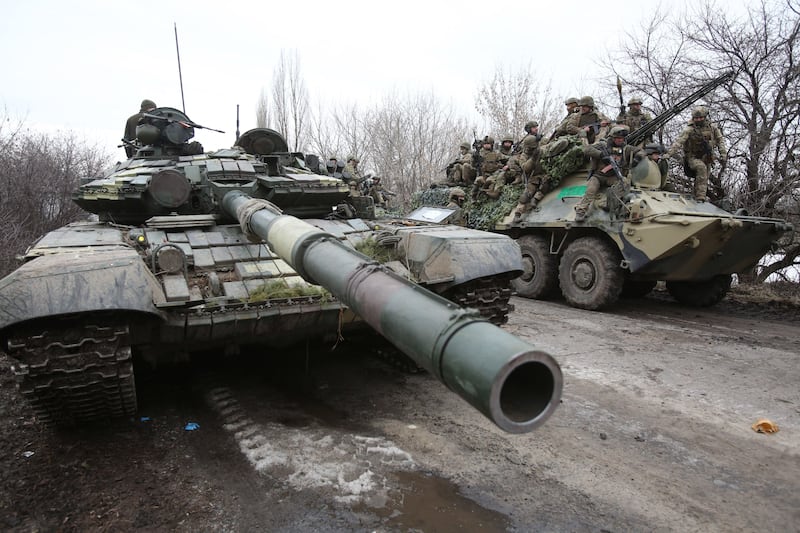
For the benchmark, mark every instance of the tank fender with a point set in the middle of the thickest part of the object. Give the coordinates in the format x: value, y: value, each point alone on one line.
x: 455, y: 256
x: 78, y: 281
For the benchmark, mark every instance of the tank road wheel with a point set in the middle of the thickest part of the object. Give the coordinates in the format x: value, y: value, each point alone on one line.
x: 75, y: 371
x: 700, y: 293
x: 489, y: 295
x: 637, y: 288
x: 589, y: 273
x: 539, y: 278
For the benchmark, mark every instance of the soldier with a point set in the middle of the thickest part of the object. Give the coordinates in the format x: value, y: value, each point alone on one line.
x: 491, y: 162
x: 698, y: 141
x: 460, y: 171
x: 352, y: 176
x: 634, y: 117
x: 531, y: 129
x: 654, y: 152
x: 538, y: 182
x: 605, y: 156
x: 588, y: 123
x: 507, y: 145
x: 456, y: 201
x: 572, y: 107
x: 132, y: 122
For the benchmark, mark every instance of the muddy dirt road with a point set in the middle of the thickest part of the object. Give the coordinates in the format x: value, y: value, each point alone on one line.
x: 654, y: 434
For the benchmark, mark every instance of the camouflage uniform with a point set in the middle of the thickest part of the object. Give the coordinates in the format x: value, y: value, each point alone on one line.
x: 456, y: 200
x: 625, y: 156
x: 572, y: 108
x: 352, y: 176
x: 589, y: 123
x: 698, y: 141
x: 538, y: 182
x: 635, y: 118
x: 460, y: 171
x: 132, y: 122
x: 491, y: 162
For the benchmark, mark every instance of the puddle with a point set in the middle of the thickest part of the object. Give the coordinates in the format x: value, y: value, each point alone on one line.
x: 429, y: 503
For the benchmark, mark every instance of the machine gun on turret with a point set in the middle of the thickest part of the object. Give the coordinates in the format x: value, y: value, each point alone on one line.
x: 639, y: 135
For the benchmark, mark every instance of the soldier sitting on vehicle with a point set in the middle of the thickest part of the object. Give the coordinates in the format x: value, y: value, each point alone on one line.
x: 537, y: 182
x: 491, y: 162
x: 460, y: 171
x: 611, y: 159
x: 590, y: 124
x: 456, y: 201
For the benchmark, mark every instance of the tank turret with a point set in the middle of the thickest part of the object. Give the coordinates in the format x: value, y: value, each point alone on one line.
x: 168, y: 270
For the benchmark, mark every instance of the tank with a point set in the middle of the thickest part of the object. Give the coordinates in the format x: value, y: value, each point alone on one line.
x: 165, y: 270
x: 636, y: 236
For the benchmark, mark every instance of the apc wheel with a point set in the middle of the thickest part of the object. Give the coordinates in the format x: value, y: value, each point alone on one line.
x: 637, y: 288
x: 539, y: 278
x: 590, y: 275
x: 700, y: 293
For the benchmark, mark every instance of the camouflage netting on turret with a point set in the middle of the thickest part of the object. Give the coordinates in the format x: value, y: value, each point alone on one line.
x: 563, y: 157
x: 482, y: 213
x: 438, y: 196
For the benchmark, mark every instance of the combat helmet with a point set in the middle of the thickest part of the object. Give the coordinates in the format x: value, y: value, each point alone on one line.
x: 571, y: 100
x: 457, y: 192
x: 530, y: 125
x: 488, y: 140
x: 586, y: 101
x: 635, y: 100
x: 620, y: 130
x: 507, y: 138
x: 700, y: 112
x: 465, y: 145
x: 653, y: 148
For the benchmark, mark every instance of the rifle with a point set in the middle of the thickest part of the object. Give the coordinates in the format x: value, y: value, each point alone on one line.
x: 184, y: 123
x: 638, y: 135
x: 622, y: 111
x: 477, y: 160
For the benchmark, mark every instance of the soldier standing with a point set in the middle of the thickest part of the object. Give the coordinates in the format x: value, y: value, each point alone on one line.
x: 605, y: 155
x: 132, y: 122
x: 635, y: 118
x: 352, y: 176
x: 698, y: 141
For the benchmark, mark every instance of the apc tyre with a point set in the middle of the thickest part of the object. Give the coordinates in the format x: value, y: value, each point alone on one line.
x: 539, y: 278
x: 700, y: 293
x: 590, y: 275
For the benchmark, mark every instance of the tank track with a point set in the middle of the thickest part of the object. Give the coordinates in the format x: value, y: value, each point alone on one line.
x: 490, y: 296
x: 74, y: 371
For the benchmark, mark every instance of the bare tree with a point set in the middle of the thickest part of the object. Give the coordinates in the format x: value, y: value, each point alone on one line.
x: 290, y: 100
x: 263, y: 116
x: 38, y: 173
x: 758, y: 111
x: 411, y: 140
x: 510, y: 99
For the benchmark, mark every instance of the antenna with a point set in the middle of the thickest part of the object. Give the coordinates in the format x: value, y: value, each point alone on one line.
x: 180, y: 75
x: 237, y: 124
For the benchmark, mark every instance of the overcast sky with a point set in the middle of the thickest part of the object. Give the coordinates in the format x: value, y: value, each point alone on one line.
x: 85, y: 66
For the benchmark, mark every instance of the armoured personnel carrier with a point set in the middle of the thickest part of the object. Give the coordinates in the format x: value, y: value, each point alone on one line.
x: 182, y: 257
x: 636, y: 236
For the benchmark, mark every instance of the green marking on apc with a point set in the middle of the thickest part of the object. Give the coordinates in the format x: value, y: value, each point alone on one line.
x: 576, y: 190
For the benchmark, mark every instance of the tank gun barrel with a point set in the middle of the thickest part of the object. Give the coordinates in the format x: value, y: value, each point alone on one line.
x: 511, y: 382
